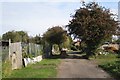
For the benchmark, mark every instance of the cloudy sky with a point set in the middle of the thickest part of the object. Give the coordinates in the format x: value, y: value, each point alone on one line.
x: 36, y: 16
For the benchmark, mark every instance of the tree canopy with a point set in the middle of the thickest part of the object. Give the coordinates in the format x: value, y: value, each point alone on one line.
x: 16, y: 36
x: 92, y: 24
x: 37, y: 39
x: 55, y: 35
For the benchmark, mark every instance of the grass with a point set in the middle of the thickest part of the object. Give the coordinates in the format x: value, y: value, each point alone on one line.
x: 6, y: 68
x: 110, y: 63
x: 102, y: 59
x: 47, y: 68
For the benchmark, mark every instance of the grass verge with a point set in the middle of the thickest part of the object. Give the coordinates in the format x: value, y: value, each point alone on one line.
x: 110, y: 63
x: 47, y: 68
x: 6, y: 68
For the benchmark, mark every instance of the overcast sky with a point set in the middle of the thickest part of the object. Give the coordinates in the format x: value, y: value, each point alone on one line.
x: 35, y: 16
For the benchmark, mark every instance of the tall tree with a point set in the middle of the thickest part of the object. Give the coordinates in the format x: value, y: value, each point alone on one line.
x: 92, y: 24
x: 55, y: 35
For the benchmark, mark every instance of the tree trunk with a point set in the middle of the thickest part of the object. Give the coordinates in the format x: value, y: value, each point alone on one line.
x: 51, y: 50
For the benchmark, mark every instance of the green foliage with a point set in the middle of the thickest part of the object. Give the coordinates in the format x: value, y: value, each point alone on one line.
x: 9, y: 35
x: 113, y: 68
x: 118, y: 41
x: 55, y: 49
x: 110, y: 63
x: 41, y: 52
x: 92, y: 24
x: 31, y: 39
x: 47, y: 68
x: 16, y: 36
x: 74, y: 48
x: 23, y: 36
x: 55, y: 35
x: 37, y: 39
x: 6, y: 68
x: 106, y: 58
x: 67, y: 43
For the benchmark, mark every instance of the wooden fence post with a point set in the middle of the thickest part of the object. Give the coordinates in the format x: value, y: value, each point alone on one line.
x: 9, y: 49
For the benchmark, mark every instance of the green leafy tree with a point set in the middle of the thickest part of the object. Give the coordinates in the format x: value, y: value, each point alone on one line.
x: 92, y: 24
x: 9, y: 35
x: 23, y: 36
x: 38, y: 39
x: 31, y: 39
x: 16, y: 36
x: 55, y: 35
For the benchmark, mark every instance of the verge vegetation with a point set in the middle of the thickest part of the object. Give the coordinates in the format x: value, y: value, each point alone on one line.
x: 110, y: 63
x: 47, y: 68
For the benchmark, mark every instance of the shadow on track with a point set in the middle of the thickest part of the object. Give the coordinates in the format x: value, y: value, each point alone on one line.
x: 70, y: 55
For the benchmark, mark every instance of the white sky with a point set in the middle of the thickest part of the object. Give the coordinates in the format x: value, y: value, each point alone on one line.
x: 37, y: 16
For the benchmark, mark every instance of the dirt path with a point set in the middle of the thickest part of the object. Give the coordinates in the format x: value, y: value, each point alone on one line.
x: 80, y: 68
